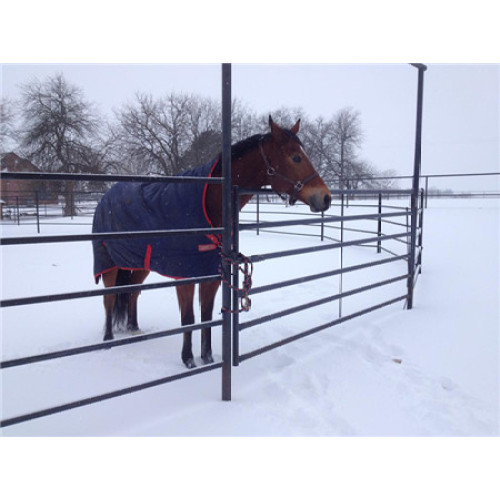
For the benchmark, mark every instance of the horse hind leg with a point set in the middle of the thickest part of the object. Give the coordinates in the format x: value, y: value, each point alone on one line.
x: 185, y: 296
x: 137, y: 278
x: 207, y: 294
x: 109, y: 279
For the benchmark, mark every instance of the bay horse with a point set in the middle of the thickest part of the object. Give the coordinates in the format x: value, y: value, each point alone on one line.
x: 276, y: 158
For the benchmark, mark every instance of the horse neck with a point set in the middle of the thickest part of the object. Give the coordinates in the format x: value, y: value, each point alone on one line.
x: 247, y: 172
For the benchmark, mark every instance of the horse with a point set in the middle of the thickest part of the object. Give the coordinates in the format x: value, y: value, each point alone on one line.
x: 276, y: 158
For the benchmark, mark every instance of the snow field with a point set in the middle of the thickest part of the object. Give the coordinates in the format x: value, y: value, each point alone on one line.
x: 431, y: 371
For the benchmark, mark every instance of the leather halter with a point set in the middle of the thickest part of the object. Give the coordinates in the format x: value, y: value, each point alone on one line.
x: 297, y: 185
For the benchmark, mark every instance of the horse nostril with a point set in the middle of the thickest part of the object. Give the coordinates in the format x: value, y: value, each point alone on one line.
x: 327, y: 200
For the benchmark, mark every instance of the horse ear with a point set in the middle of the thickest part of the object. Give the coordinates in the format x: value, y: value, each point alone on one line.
x: 276, y: 130
x: 295, y: 128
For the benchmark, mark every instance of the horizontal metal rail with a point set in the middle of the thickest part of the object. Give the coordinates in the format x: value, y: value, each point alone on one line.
x: 383, y: 249
x: 319, y: 302
x: 337, y: 191
x: 326, y: 274
x: 45, y: 220
x: 45, y: 176
x: 421, y: 176
x: 105, y: 345
x: 319, y: 328
x: 27, y: 240
x: 394, y: 223
x: 106, y: 291
x: 294, y: 233
x: 353, y: 230
x: 315, y: 221
x: 329, y: 246
x: 279, y: 212
x: 109, y: 395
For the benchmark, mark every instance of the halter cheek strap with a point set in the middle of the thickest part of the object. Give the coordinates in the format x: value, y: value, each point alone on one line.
x: 297, y: 185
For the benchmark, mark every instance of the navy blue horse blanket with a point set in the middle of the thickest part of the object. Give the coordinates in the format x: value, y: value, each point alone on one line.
x: 143, y: 206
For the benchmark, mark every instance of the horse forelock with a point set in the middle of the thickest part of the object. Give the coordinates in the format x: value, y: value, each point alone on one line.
x: 292, y: 136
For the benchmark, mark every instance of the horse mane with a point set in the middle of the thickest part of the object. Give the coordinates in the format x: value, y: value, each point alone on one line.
x: 244, y: 146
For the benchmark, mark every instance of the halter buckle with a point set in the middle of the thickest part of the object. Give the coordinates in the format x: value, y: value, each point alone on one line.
x: 271, y: 170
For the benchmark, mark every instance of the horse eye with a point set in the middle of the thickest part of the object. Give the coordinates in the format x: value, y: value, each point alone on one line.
x: 296, y: 158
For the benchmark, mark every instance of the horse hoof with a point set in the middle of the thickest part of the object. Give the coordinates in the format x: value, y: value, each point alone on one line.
x: 133, y: 328
x: 105, y: 342
x: 207, y: 359
x: 190, y: 363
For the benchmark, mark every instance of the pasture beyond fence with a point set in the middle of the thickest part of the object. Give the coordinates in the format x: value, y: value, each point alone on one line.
x: 41, y: 213
x: 409, y: 233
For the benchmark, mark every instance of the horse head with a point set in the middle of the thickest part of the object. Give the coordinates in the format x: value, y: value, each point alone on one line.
x: 290, y: 170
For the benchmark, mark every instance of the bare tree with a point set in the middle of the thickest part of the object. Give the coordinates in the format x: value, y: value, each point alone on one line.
x: 8, y: 134
x: 375, y: 179
x: 205, y: 146
x: 58, y: 129
x: 156, y: 134
x: 319, y: 140
x: 144, y: 137
x: 205, y: 134
x: 347, y: 138
x: 244, y: 122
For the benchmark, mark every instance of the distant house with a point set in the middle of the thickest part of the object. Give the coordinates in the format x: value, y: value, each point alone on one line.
x: 23, y: 192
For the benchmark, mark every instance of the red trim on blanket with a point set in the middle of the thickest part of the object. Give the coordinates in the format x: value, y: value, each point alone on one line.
x: 147, y: 258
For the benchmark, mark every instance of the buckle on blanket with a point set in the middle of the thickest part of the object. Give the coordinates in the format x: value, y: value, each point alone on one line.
x: 207, y: 248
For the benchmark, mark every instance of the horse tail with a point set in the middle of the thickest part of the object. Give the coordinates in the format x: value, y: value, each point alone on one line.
x: 120, y: 311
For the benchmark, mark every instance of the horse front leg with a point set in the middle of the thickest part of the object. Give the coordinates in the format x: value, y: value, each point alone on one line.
x: 207, y: 296
x: 185, y: 295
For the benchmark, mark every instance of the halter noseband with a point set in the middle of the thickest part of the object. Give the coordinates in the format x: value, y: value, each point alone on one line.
x: 297, y: 185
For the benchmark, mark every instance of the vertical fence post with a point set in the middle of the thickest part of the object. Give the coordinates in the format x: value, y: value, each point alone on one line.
x: 408, y: 226
x: 426, y: 189
x: 379, y: 224
x: 37, y: 203
x: 322, y: 226
x: 226, y: 237
x: 258, y: 213
x: 341, y: 276
x: 416, y: 179
x: 18, y: 211
x: 421, y: 230
x: 236, y: 278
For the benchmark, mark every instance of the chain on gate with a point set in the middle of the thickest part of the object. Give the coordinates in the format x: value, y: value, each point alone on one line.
x: 245, y: 266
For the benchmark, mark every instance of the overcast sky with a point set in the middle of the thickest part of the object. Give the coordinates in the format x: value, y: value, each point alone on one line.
x: 461, y: 102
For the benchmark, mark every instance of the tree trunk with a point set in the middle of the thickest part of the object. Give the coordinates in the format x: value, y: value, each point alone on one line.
x: 69, y: 209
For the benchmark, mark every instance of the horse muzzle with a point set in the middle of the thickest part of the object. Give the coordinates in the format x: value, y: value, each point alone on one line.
x: 320, y: 202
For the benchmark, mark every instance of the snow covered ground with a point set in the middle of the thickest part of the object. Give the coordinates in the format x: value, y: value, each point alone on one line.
x: 430, y: 371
